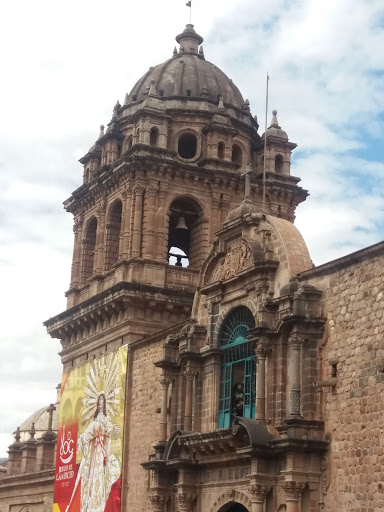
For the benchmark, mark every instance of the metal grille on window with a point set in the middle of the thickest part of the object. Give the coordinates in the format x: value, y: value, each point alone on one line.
x: 238, y: 368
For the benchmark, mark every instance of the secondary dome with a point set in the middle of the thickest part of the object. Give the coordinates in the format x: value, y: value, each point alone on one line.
x: 187, y: 74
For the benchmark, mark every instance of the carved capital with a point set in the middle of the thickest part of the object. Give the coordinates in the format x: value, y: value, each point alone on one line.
x: 189, y: 374
x: 293, y: 490
x: 296, y: 341
x: 261, y: 351
x: 138, y: 189
x: 184, y: 500
x: 258, y: 492
x: 157, y: 502
x: 164, y: 383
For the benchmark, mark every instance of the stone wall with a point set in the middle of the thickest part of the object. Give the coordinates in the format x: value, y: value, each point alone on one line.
x: 353, y: 351
x: 145, y: 390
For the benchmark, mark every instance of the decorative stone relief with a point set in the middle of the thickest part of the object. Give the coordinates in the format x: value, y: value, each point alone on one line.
x: 238, y: 258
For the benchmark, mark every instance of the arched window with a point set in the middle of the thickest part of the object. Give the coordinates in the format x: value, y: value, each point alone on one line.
x: 237, y: 155
x: 113, y: 235
x: 89, y: 245
x: 221, y: 151
x: 185, y: 233
x: 153, y: 136
x: 187, y: 145
x: 238, y: 368
x: 279, y: 163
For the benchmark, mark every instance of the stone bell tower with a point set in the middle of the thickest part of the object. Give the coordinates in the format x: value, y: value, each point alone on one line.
x: 158, y: 184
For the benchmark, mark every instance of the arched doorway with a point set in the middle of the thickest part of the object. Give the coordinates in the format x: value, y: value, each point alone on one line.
x: 233, y: 507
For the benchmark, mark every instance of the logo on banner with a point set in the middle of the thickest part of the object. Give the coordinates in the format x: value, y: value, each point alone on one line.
x: 66, y: 447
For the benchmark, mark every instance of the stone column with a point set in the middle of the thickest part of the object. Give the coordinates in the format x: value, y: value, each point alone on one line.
x: 150, y: 228
x: 164, y: 410
x: 189, y: 375
x: 261, y: 354
x: 138, y: 191
x: 293, y: 492
x: 77, y: 230
x: 258, y: 493
x: 184, y: 501
x: 294, y: 366
x: 100, y: 238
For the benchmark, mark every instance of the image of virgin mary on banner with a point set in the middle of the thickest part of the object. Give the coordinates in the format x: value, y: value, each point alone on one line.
x: 95, y: 428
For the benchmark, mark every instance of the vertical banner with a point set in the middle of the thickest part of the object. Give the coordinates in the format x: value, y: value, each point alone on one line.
x: 90, y: 436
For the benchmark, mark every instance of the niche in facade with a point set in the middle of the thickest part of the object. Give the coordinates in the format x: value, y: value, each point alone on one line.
x: 153, y: 137
x: 221, y: 151
x: 89, y: 245
x: 187, y: 145
x: 185, y: 232
x: 113, y: 235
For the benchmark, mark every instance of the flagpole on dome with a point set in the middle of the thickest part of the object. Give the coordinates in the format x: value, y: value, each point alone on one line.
x: 189, y: 4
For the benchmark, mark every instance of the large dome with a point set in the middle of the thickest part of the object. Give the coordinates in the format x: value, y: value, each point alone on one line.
x: 187, y: 74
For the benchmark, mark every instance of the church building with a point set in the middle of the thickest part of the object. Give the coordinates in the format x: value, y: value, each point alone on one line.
x: 251, y: 380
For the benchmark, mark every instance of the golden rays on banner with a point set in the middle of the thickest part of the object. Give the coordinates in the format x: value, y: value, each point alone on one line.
x: 89, y: 447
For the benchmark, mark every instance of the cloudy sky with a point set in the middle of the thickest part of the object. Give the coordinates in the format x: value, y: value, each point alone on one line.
x: 64, y: 65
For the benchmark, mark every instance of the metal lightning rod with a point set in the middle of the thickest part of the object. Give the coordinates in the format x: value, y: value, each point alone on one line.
x: 265, y: 141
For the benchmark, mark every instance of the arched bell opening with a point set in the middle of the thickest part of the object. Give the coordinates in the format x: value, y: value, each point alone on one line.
x: 185, y: 232
x: 279, y: 164
x: 233, y: 507
x: 237, y: 155
x: 113, y: 235
x: 238, y: 368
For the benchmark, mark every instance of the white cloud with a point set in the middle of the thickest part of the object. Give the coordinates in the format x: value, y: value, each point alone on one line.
x: 67, y: 64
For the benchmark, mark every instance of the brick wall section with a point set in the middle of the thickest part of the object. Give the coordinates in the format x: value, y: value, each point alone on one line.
x: 353, y: 412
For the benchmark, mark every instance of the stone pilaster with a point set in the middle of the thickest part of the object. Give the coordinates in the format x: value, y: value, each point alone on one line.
x: 76, y: 258
x: 150, y: 228
x: 126, y: 221
x: 138, y: 191
x: 293, y: 492
x: 161, y: 249
x: 100, y: 238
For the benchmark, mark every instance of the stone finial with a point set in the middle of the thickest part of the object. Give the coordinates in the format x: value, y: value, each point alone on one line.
x: 274, y: 121
x: 17, y: 435
x: 175, y: 51
x: 246, y: 105
x: 101, y: 134
x: 126, y: 99
x: 50, y: 410
x: 201, y: 52
x: 32, y: 431
x: 221, y: 103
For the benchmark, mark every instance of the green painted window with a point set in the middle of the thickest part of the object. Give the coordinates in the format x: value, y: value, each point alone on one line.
x: 238, y: 368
